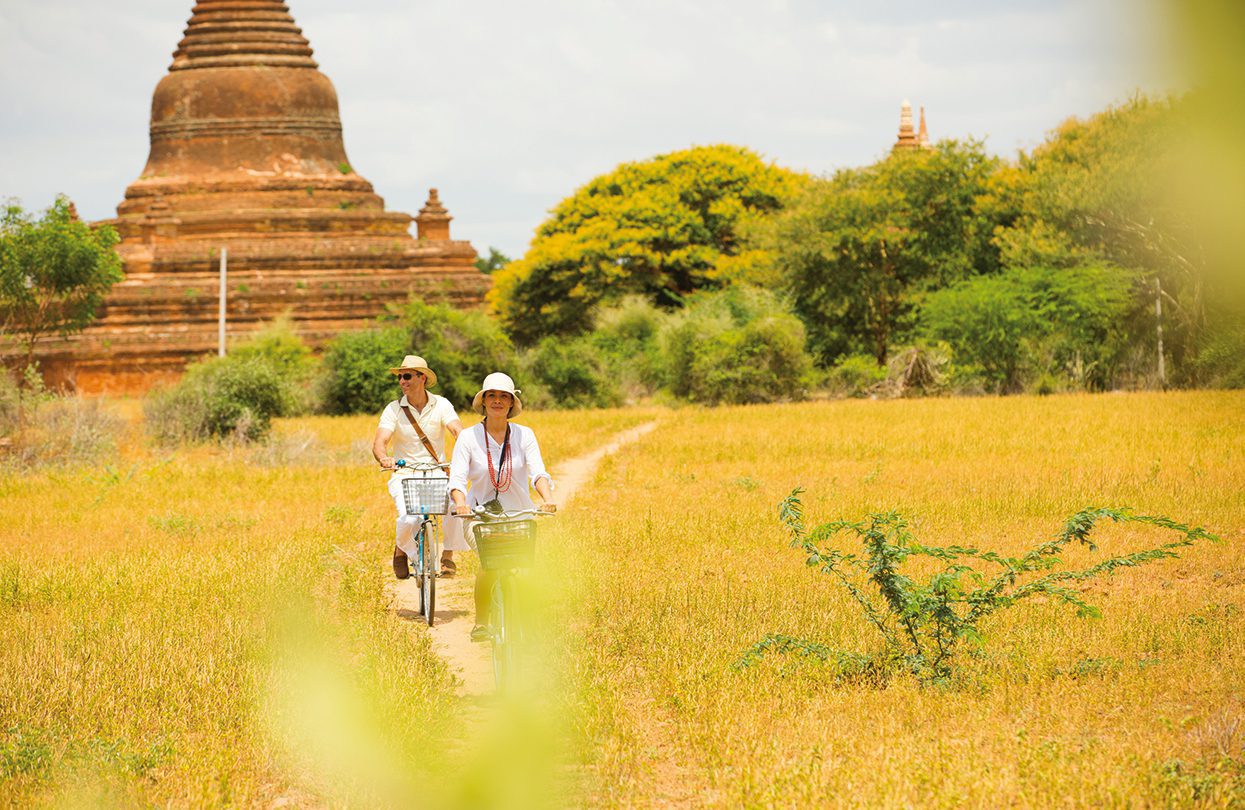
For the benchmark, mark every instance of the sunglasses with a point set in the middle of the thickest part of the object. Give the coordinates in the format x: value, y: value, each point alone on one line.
x: 408, y: 375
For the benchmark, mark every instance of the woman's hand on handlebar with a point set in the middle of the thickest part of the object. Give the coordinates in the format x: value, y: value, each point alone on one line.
x: 462, y: 509
x: 548, y: 507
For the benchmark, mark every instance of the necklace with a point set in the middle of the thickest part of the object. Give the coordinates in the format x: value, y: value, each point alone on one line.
x: 500, y: 478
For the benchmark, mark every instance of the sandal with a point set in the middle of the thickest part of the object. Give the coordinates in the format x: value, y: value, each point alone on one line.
x: 479, y: 633
x: 448, y: 568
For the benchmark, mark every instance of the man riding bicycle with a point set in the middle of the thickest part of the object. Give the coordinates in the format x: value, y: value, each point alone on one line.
x: 417, y: 423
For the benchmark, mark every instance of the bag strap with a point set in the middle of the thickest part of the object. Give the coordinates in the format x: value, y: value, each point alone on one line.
x: 422, y: 436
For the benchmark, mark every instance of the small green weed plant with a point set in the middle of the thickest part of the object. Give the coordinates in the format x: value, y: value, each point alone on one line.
x: 924, y: 624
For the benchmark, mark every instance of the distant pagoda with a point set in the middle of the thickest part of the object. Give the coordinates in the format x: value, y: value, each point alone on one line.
x: 908, y: 139
x: 247, y: 155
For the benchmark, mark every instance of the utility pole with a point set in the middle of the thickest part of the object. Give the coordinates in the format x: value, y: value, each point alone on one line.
x: 224, y: 253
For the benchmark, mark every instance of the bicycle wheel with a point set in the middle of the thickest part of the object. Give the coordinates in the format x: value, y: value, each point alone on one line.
x: 504, y: 636
x: 432, y: 561
x: 428, y: 595
x: 420, y: 568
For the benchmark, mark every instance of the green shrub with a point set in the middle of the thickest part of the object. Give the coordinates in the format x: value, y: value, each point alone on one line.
x: 1029, y: 323
x: 855, y: 375
x: 570, y: 373
x: 736, y: 346
x: 356, y: 370
x: 923, y: 624
x: 762, y: 361
x: 1221, y: 362
x: 461, y: 346
x: 279, y: 345
x: 225, y: 397
x: 628, y: 335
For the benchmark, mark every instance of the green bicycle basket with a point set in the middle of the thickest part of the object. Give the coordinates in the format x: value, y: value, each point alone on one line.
x: 506, y: 544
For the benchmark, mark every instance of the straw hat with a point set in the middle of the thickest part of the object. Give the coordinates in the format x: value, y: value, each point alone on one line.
x: 498, y: 382
x: 415, y: 363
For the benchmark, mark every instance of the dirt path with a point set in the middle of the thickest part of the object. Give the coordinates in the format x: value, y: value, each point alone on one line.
x: 453, y: 616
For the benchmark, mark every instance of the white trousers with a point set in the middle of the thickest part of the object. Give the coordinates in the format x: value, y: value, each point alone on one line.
x: 407, y: 525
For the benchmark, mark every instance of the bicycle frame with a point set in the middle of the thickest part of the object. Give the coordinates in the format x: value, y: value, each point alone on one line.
x: 505, y: 620
x: 425, y: 502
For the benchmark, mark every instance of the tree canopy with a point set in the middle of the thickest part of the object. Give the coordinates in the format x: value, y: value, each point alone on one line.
x: 661, y: 228
x: 54, y: 272
x: 856, y: 250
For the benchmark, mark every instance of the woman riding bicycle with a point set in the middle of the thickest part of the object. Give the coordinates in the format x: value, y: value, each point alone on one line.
x: 418, y: 423
x: 499, y: 460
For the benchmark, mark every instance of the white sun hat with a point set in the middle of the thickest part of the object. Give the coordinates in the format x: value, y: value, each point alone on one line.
x: 498, y: 382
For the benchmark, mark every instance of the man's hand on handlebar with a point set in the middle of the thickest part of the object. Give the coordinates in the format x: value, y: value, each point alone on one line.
x: 548, y: 507
x: 386, y: 462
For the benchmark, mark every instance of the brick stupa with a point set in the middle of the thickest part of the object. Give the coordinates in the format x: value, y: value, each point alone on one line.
x: 247, y: 155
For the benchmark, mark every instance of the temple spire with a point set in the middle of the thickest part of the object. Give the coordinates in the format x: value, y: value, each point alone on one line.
x: 909, y: 138
x: 433, y: 221
x: 242, y: 33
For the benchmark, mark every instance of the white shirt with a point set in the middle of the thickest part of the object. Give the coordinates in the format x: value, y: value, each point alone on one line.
x: 433, y: 419
x: 470, y: 466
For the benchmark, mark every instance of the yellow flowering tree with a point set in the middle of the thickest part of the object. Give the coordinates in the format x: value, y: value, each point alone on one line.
x: 661, y: 228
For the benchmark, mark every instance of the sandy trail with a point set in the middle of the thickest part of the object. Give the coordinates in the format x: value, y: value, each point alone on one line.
x: 469, y: 662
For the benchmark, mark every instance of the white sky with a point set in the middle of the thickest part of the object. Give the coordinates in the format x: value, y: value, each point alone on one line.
x: 508, y: 107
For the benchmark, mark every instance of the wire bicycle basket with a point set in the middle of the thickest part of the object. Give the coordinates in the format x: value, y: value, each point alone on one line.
x: 428, y: 495
x: 506, y: 544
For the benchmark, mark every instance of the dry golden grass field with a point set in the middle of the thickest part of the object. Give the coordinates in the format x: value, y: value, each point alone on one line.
x: 210, y: 626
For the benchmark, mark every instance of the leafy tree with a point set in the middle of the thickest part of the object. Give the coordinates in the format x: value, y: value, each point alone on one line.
x: 857, y: 250
x: 661, y: 228
x: 54, y: 272
x: 494, y: 261
x: 1106, y: 190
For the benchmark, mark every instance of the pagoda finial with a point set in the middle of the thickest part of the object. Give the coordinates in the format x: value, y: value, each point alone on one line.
x: 433, y: 221
x: 922, y: 135
x: 230, y: 33
x: 907, y: 137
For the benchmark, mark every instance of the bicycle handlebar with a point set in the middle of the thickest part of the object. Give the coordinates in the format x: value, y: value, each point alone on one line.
x: 419, y: 466
x: 480, y: 513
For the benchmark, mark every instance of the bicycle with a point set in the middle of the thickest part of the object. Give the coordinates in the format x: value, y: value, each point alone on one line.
x: 427, y: 496
x: 505, y: 543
